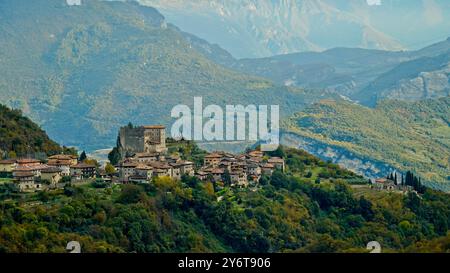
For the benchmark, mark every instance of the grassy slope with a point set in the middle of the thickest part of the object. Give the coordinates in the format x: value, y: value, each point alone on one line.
x: 409, y: 136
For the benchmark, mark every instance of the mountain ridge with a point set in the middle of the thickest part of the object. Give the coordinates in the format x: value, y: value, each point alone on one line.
x: 403, y: 135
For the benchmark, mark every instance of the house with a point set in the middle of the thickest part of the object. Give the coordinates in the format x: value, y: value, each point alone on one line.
x: 217, y: 174
x: 66, y: 159
x: 239, y: 179
x: 146, y: 157
x: 212, y: 160
x: 35, y: 169
x: 201, y: 175
x: 83, y: 171
x: 176, y: 170
x: 225, y: 165
x: 143, y: 171
x: 28, y: 162
x: 384, y: 184
x: 127, y: 169
x: 25, y: 182
x: 254, y: 169
x: 52, y: 174
x: 267, y: 168
x: 161, y: 169
x: 255, y: 154
x: 63, y: 162
x: 8, y: 165
x: 277, y: 162
x: 187, y: 168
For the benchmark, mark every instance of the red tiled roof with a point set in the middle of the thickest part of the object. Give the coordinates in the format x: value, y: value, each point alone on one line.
x: 8, y: 161
x: 28, y: 161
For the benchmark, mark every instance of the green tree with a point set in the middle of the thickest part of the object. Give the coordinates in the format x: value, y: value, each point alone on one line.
x: 114, y: 156
x: 83, y: 156
x: 109, y: 168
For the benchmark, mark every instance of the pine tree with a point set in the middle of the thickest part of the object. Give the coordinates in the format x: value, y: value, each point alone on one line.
x: 83, y: 156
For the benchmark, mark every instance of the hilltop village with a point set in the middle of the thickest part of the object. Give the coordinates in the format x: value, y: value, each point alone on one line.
x: 144, y: 155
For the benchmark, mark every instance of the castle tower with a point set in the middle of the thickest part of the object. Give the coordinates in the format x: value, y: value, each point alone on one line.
x: 144, y: 139
x: 155, y: 139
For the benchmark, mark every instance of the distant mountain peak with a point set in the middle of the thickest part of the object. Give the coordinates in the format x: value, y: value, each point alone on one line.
x: 249, y: 28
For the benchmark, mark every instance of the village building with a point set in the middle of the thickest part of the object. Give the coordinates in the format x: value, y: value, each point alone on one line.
x: 187, y: 168
x: 217, y: 174
x: 34, y: 169
x: 147, y: 157
x: 239, y: 179
x: 127, y: 169
x: 25, y: 182
x: 267, y: 169
x: 201, y: 175
x: 254, y: 169
x: 52, y: 174
x: 63, y: 162
x: 83, y: 171
x: 144, y: 171
x: 176, y: 170
x: 161, y: 169
x: 29, y: 162
x: 256, y: 154
x: 383, y: 184
x: 8, y: 165
x: 277, y: 162
x: 212, y: 160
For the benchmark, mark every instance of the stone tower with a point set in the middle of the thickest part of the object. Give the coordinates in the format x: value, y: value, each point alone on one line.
x: 144, y: 139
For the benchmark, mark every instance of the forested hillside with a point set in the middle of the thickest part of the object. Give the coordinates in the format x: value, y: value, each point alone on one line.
x: 408, y: 136
x: 310, y: 208
x: 19, y: 136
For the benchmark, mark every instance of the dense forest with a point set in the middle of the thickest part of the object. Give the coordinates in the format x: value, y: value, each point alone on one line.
x: 312, y: 207
x: 19, y: 136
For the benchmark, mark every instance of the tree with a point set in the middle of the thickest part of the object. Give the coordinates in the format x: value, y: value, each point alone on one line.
x: 131, y: 194
x: 109, y: 168
x: 114, y: 156
x: 83, y: 156
x: 12, y: 154
x: 227, y: 178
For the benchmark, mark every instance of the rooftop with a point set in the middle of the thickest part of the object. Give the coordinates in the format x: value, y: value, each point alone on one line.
x: 83, y: 166
x: 28, y: 161
x: 154, y: 127
x: 8, y: 161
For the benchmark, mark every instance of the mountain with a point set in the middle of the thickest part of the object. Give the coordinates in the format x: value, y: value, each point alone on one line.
x: 82, y: 71
x: 423, y: 78
x: 396, y: 135
x: 262, y: 28
x: 353, y: 72
x: 20, y: 136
